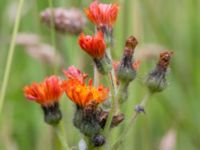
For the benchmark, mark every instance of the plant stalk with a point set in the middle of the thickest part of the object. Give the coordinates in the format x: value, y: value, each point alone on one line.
x: 60, y: 131
x: 131, y: 122
x: 10, y: 55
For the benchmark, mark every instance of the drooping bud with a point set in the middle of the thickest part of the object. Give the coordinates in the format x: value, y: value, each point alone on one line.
x: 52, y: 113
x: 126, y: 71
x: 156, y: 80
x: 64, y: 20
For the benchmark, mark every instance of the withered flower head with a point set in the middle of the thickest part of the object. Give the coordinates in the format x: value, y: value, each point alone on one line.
x: 47, y: 94
x: 156, y: 80
x: 125, y: 71
x: 93, y: 45
x: 65, y: 20
x: 164, y: 59
x: 102, y: 14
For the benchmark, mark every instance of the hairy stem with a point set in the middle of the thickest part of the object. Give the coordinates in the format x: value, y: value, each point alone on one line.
x: 10, y: 55
x: 96, y: 76
x: 131, y: 121
x: 60, y: 131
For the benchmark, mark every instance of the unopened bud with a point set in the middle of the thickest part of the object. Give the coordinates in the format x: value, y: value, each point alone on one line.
x: 126, y: 72
x: 52, y: 114
x: 98, y: 140
x: 64, y: 20
x: 156, y: 80
x: 85, y: 119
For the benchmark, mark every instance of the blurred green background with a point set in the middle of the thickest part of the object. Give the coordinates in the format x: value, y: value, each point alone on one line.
x: 172, y: 121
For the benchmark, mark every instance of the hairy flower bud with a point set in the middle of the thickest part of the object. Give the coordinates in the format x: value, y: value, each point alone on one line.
x: 156, y: 80
x: 98, y: 140
x: 85, y: 119
x: 64, y: 20
x: 126, y: 71
x: 52, y: 114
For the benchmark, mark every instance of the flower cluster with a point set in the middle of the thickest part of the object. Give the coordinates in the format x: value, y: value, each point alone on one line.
x: 103, y: 16
x: 96, y: 108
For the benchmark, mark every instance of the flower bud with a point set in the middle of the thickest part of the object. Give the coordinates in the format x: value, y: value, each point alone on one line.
x: 85, y: 119
x: 98, y: 140
x: 156, y: 80
x: 52, y: 113
x: 64, y: 20
x: 125, y: 72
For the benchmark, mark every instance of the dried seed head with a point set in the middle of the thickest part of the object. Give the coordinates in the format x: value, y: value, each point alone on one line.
x: 156, y: 80
x: 125, y: 71
x: 164, y: 60
x: 65, y: 20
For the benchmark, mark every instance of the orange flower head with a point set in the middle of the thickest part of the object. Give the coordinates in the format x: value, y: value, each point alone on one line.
x: 94, y: 45
x: 74, y: 73
x: 102, y: 14
x: 82, y: 94
x: 45, y: 93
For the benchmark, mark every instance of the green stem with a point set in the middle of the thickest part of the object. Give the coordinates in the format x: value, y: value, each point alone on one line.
x: 114, y: 106
x: 109, y: 120
x: 131, y: 122
x: 52, y: 30
x: 113, y: 86
x: 60, y: 131
x: 96, y: 76
x: 10, y: 55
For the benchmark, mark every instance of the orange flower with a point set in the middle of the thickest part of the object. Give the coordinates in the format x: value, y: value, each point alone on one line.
x: 102, y: 14
x: 94, y: 45
x: 44, y: 93
x: 83, y: 94
x: 79, y: 92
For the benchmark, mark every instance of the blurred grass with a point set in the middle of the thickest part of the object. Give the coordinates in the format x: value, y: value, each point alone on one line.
x: 173, y: 24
